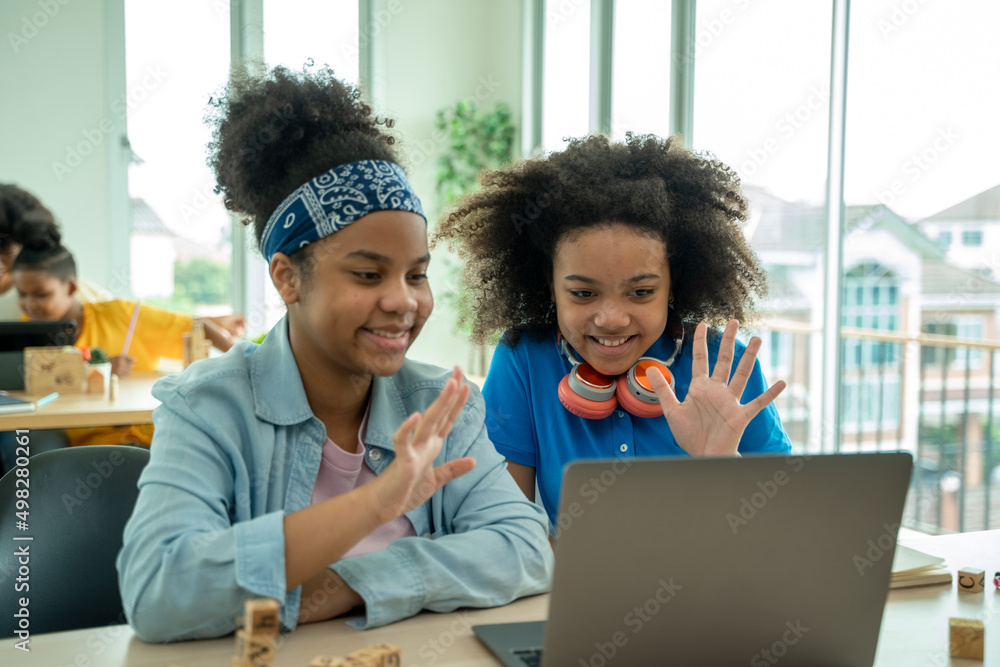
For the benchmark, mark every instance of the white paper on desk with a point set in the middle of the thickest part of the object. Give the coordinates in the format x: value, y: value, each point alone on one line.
x: 910, y: 560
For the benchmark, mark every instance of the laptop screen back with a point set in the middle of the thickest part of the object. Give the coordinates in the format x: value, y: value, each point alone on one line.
x: 750, y: 560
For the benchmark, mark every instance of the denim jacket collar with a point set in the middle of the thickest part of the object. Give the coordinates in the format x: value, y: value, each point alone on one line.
x: 280, y: 397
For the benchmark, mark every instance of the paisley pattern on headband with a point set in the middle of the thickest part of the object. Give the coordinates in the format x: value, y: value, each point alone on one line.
x: 335, y: 199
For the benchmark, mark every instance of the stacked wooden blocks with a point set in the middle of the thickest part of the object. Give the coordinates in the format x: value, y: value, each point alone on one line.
x: 255, y: 642
x: 195, y: 345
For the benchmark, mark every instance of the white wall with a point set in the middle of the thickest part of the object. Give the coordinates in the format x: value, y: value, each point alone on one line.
x: 437, y: 52
x: 56, y: 105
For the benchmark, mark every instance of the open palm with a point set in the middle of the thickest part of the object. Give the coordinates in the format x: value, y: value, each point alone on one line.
x: 711, y: 420
x: 411, y: 479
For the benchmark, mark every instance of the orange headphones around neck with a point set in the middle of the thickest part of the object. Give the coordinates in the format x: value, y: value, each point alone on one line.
x: 592, y: 395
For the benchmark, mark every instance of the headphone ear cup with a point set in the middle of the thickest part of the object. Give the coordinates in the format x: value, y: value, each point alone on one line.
x: 635, y: 393
x: 583, y: 407
x: 634, y: 405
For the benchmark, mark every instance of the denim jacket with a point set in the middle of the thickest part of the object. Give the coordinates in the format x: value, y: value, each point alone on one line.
x: 236, y: 447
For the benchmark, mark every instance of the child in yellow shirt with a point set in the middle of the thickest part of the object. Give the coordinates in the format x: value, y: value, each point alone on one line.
x: 45, y: 277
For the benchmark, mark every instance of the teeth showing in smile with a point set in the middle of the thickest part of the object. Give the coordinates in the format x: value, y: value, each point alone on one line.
x: 611, y: 342
x: 387, y: 334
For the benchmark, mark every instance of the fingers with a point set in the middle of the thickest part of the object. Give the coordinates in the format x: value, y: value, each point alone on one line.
x: 744, y: 368
x: 756, y: 405
x: 724, y: 361
x: 450, y: 470
x: 699, y: 361
x: 440, y: 416
x: 662, y: 388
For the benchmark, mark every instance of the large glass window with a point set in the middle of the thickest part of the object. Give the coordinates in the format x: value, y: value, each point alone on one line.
x: 640, y: 80
x: 566, y: 96
x: 179, y: 233
x: 322, y: 32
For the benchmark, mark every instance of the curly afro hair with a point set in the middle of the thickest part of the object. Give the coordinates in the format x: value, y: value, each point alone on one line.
x: 507, y: 231
x: 273, y: 132
x: 19, y: 211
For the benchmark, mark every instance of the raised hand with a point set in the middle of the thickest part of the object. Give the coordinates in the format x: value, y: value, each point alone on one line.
x: 711, y: 420
x: 411, y: 479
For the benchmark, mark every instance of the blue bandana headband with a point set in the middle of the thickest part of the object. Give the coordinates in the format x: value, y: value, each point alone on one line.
x: 335, y: 199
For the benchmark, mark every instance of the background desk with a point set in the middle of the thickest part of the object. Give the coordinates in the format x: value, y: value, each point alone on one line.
x: 914, y: 629
x: 134, y: 405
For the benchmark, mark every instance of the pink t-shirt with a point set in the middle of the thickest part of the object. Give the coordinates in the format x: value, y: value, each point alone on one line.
x: 340, y: 472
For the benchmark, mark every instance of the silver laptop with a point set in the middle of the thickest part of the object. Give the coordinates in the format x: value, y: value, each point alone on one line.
x: 735, y: 561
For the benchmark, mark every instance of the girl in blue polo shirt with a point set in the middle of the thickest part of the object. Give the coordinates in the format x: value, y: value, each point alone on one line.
x: 600, y: 268
x: 322, y: 468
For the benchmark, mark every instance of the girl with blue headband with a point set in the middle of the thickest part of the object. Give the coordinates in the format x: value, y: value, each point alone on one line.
x: 599, y: 269
x: 322, y: 468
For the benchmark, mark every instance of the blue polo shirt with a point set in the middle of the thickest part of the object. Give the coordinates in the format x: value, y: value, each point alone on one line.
x: 528, y: 424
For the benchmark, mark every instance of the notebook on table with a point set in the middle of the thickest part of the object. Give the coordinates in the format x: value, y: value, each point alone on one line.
x: 695, y: 561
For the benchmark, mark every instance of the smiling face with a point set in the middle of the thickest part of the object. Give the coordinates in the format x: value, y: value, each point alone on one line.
x: 365, y: 297
x: 611, y: 285
x: 43, y: 296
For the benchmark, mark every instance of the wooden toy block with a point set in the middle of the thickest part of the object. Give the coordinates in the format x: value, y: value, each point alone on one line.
x: 261, y: 617
x: 378, y: 655
x: 965, y: 638
x: 95, y: 382
x: 971, y: 580
x: 327, y: 661
x: 196, y: 347
x: 254, y: 650
x: 49, y: 369
x: 113, y: 390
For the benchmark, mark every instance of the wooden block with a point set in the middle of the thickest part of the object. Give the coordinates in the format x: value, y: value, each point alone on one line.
x: 49, y: 369
x: 95, y: 382
x: 327, y: 661
x: 254, y: 650
x: 113, y: 391
x: 378, y: 655
x: 262, y: 616
x: 971, y: 580
x: 392, y: 656
x: 965, y: 638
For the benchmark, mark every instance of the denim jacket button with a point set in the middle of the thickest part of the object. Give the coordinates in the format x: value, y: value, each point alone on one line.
x: 375, y: 455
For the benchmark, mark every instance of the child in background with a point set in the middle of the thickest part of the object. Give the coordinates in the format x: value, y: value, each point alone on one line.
x: 45, y: 278
x: 21, y: 211
x: 590, y: 261
x: 322, y: 468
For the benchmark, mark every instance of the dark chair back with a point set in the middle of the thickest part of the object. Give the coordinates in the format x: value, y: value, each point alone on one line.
x: 77, y: 502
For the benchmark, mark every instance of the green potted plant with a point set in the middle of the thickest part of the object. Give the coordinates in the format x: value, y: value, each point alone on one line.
x: 477, y: 140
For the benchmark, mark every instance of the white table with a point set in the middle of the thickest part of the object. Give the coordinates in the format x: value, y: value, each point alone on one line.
x: 914, y: 628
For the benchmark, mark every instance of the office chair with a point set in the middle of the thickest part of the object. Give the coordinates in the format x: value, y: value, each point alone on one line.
x: 78, y: 500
